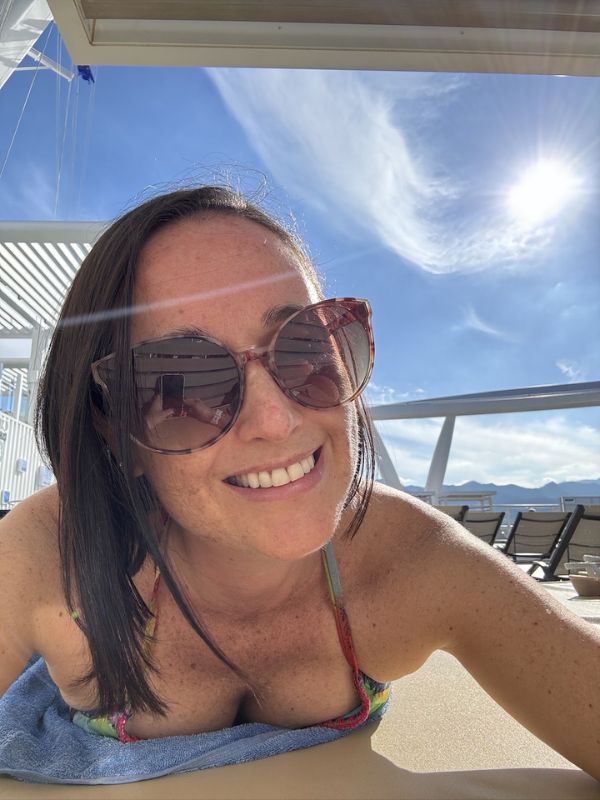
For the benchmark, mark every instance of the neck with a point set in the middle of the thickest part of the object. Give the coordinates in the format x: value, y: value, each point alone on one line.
x: 233, y: 583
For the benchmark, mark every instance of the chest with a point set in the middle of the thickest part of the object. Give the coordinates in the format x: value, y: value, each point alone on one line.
x: 296, y: 670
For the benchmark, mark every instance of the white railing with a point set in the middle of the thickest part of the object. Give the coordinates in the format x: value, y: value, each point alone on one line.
x: 534, y: 398
x: 22, y: 470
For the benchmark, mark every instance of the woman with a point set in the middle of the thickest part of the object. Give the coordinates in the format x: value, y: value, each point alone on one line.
x: 201, y: 410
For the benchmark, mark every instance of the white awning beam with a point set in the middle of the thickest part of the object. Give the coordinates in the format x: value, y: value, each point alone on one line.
x: 431, y: 35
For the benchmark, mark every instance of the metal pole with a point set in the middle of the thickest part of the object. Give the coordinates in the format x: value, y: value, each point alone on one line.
x: 439, y: 462
x: 385, y: 463
x: 50, y: 64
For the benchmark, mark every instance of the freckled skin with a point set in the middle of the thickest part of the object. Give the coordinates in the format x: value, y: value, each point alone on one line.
x: 414, y: 581
x: 198, y: 260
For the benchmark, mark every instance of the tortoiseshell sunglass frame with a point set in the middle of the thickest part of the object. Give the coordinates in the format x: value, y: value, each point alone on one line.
x: 359, y: 308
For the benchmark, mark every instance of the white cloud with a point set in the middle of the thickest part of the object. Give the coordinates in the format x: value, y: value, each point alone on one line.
x: 377, y: 394
x: 354, y: 146
x: 525, y: 453
x: 473, y: 321
x: 571, y: 369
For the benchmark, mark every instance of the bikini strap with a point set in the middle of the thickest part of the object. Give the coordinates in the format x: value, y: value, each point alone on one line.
x: 153, y: 606
x: 334, y: 584
x: 337, y: 599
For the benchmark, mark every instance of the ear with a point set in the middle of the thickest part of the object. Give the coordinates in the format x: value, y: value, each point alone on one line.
x: 104, y: 428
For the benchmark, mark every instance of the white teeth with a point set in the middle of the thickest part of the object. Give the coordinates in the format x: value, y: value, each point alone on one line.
x: 295, y: 471
x: 280, y: 476
x: 308, y: 463
x: 277, y: 477
x: 265, y: 480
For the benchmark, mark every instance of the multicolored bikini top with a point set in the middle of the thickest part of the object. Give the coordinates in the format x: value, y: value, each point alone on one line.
x: 372, y: 694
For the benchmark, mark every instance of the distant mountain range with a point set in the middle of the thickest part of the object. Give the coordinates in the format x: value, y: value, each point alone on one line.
x: 510, y: 493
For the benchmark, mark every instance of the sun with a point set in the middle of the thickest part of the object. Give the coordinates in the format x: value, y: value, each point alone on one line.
x: 542, y: 192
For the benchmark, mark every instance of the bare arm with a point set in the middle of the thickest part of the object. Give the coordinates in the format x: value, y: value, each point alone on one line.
x: 533, y: 656
x: 443, y: 589
x: 24, y: 559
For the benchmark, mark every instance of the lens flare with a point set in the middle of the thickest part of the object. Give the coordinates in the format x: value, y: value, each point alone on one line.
x: 542, y: 192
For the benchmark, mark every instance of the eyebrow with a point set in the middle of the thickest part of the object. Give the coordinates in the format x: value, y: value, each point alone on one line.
x: 274, y: 316
x: 278, y: 314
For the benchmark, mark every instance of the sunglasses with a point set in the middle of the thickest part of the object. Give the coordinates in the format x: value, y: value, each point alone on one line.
x: 190, y: 389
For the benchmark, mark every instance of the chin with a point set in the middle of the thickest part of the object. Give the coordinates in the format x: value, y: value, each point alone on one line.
x: 296, y: 544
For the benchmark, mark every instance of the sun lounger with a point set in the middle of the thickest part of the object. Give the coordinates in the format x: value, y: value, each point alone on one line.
x: 534, y: 535
x: 456, y: 512
x: 581, y: 536
x: 483, y: 524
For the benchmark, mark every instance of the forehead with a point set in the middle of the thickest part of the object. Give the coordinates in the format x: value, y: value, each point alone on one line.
x: 210, y: 272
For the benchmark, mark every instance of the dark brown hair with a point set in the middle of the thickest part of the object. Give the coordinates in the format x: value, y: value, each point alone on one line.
x: 110, y: 521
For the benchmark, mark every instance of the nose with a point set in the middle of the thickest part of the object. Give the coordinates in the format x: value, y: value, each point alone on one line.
x: 266, y: 413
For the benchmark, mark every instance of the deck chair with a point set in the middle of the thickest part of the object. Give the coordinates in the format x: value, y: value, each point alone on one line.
x: 534, y: 535
x: 483, y: 524
x: 456, y: 512
x: 581, y: 536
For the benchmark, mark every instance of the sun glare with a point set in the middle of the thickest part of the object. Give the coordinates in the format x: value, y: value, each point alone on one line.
x: 542, y: 192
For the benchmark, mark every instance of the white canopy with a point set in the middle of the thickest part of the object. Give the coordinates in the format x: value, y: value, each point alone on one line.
x: 21, y: 23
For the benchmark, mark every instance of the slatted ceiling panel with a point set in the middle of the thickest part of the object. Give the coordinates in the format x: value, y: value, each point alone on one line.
x: 45, y: 261
x: 11, y: 321
x: 25, y: 282
x: 36, y: 274
x: 61, y: 264
x: 60, y: 269
x: 80, y: 250
x: 18, y: 278
x: 38, y: 262
x: 73, y: 257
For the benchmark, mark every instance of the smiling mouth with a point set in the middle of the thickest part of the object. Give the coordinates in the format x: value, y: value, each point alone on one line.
x: 266, y: 479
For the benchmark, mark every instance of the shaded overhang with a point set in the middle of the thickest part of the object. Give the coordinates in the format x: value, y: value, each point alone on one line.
x: 516, y: 36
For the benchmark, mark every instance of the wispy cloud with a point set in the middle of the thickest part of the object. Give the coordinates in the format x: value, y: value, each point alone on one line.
x: 355, y: 147
x: 473, y: 321
x: 528, y: 454
x: 34, y: 195
x: 571, y: 369
x: 377, y: 394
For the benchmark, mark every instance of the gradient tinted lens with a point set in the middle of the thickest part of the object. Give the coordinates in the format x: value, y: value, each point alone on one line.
x: 188, y: 388
x: 323, y: 356
x: 188, y: 392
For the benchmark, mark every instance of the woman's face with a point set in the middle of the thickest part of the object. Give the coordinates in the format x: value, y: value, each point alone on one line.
x: 235, y: 280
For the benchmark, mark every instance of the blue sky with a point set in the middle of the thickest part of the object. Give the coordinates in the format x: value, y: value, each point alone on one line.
x: 401, y: 183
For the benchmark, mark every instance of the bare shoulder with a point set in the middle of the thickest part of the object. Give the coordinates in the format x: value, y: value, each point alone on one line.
x: 414, y: 543
x: 434, y: 585
x: 396, y: 582
x: 403, y: 532
x: 29, y: 577
x: 30, y: 531
x: 431, y: 585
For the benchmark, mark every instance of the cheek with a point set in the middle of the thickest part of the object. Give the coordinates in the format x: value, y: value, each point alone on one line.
x: 174, y: 478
